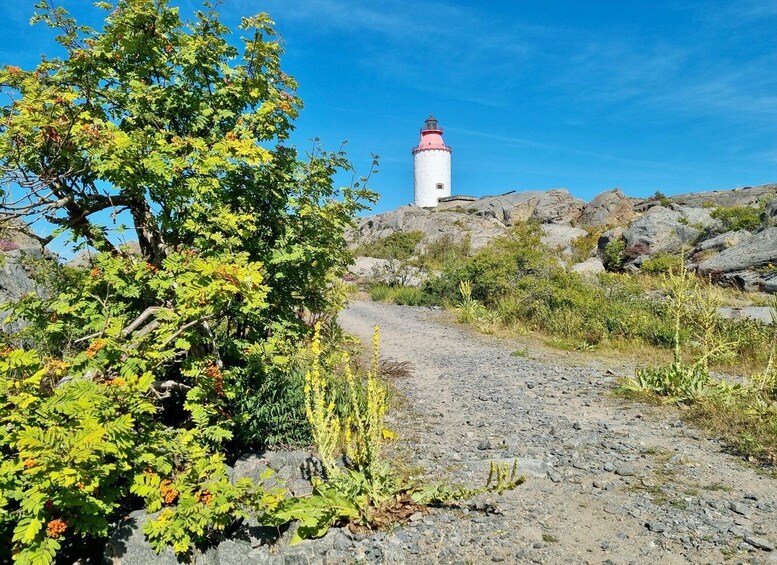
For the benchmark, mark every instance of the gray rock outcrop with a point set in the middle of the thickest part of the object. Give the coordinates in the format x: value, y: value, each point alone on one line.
x: 292, y: 470
x: 590, y: 267
x: 660, y: 230
x: 770, y: 212
x: 388, y: 271
x: 723, y: 241
x: 677, y: 224
x: 607, y: 209
x: 127, y: 545
x: 546, y: 206
x: 749, y: 280
x: 697, y: 217
x: 558, y: 206
x: 560, y: 237
x: 761, y: 313
x: 435, y: 225
x: 758, y: 250
x: 18, y: 254
x: 747, y: 196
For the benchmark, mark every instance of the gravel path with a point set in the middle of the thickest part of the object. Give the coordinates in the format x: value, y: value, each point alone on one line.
x: 607, y: 481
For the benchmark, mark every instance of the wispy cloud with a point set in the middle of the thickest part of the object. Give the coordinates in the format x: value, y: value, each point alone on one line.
x: 704, y: 74
x: 557, y: 148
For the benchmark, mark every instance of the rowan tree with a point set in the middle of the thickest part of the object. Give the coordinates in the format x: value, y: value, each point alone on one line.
x: 183, y: 132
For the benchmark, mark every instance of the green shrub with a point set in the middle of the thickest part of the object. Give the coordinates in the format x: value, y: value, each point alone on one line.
x: 445, y: 252
x: 380, y: 292
x: 411, y: 296
x: 613, y: 254
x: 738, y: 217
x: 398, y: 245
x: 495, y: 269
x: 583, y: 245
x: 662, y: 263
x: 271, y: 410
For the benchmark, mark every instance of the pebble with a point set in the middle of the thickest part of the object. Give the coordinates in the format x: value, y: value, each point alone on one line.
x: 656, y: 527
x: 760, y: 543
x: 739, y: 508
x: 624, y: 470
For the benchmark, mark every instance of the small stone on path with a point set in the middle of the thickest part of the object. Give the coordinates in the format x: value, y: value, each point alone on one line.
x: 624, y: 470
x: 760, y: 543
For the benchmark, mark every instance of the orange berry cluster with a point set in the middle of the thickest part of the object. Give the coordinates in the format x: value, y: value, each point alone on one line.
x: 95, y: 346
x: 226, y: 274
x: 212, y: 370
x: 30, y: 463
x: 56, y: 528
x: 205, y: 497
x: 168, y: 490
x: 92, y: 130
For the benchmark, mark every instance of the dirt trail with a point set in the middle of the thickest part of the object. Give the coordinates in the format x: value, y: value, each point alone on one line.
x: 608, y: 481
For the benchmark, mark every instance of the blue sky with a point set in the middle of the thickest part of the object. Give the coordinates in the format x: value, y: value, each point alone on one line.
x: 645, y: 96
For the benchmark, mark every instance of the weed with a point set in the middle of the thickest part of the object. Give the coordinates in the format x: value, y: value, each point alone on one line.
x: 404, y: 295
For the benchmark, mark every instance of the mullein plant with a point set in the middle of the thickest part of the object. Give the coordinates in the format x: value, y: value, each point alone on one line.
x: 361, y: 489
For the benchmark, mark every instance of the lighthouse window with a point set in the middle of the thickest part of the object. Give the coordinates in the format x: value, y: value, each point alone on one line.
x: 440, y: 186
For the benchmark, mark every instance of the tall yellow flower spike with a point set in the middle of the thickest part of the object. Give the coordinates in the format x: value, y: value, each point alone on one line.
x: 363, y: 431
x: 324, y: 423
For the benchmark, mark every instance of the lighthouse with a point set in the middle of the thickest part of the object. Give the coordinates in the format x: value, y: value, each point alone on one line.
x: 431, y: 166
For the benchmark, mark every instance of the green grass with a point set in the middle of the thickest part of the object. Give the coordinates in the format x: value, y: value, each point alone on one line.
x: 404, y: 295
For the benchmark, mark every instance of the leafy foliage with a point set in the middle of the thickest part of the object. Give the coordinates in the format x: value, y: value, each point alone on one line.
x: 614, y: 254
x: 661, y: 263
x: 738, y: 217
x: 144, y: 363
x: 397, y: 245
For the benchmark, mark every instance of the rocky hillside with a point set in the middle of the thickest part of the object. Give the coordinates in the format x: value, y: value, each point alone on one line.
x: 18, y: 254
x: 730, y: 235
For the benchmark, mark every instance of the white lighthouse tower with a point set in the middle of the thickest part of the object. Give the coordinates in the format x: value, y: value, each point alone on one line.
x: 431, y: 166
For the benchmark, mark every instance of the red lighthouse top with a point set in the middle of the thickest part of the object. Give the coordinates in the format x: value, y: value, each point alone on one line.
x: 431, y: 137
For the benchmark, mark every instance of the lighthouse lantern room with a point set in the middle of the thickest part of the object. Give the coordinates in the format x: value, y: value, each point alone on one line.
x: 431, y: 166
